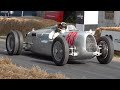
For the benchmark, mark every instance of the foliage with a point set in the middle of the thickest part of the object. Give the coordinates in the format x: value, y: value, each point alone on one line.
x: 70, y: 17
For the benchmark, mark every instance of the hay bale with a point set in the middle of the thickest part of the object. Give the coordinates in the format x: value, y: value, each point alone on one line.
x: 8, y: 70
x: 100, y: 29
x: 109, y: 28
x: 23, y: 24
x: 117, y: 53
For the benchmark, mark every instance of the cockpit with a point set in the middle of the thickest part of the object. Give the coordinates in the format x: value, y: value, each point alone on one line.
x: 71, y: 28
x: 54, y: 34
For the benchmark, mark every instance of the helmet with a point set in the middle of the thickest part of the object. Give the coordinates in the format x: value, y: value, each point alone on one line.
x: 62, y: 25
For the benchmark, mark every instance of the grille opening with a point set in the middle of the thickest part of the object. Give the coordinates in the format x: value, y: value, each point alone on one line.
x: 91, y: 44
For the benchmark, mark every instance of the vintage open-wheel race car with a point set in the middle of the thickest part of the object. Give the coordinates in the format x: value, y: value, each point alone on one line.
x: 65, y: 45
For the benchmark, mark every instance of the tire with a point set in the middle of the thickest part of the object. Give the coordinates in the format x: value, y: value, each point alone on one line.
x: 12, y: 43
x: 15, y: 47
x: 60, y: 51
x: 107, y: 50
x: 21, y: 40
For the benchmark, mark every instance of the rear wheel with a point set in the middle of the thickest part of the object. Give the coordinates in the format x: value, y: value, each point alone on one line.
x: 107, y: 50
x: 60, y: 51
x: 21, y: 40
x: 14, y: 42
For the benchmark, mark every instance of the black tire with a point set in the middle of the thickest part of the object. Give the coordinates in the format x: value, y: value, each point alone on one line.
x: 107, y: 50
x: 62, y: 50
x: 12, y: 43
x: 21, y: 40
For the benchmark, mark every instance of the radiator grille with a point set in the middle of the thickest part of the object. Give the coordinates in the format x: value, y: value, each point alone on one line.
x: 91, y: 44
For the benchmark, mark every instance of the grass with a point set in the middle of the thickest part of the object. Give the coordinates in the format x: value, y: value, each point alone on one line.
x: 116, y: 55
x: 8, y: 70
x: 23, y: 24
x: 116, y: 58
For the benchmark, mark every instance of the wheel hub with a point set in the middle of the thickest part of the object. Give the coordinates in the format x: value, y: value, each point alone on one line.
x: 104, y: 49
x: 57, y: 51
x: 10, y: 43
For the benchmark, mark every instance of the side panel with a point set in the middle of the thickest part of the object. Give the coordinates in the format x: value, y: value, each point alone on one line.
x: 80, y: 44
x: 44, y: 44
x: 40, y: 41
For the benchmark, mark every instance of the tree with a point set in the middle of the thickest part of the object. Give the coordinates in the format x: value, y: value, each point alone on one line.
x: 70, y: 17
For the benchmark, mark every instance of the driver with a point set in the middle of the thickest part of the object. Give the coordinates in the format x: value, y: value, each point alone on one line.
x: 61, y: 27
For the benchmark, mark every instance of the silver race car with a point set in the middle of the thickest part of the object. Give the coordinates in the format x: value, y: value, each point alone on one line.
x: 63, y: 44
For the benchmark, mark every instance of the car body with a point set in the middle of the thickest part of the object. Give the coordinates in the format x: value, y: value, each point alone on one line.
x: 69, y: 44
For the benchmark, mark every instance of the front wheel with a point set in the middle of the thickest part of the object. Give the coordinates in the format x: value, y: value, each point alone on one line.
x: 60, y: 51
x: 107, y: 50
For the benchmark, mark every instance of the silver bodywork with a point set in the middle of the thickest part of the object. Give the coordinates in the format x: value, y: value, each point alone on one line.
x: 85, y: 46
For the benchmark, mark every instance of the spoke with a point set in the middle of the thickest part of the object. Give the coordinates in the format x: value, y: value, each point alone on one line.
x: 104, y: 49
x: 59, y: 53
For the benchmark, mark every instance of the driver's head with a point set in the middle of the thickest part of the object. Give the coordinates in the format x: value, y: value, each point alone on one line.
x: 62, y: 26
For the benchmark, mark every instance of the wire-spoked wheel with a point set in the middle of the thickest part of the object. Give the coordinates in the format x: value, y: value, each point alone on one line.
x: 107, y: 50
x: 60, y: 51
